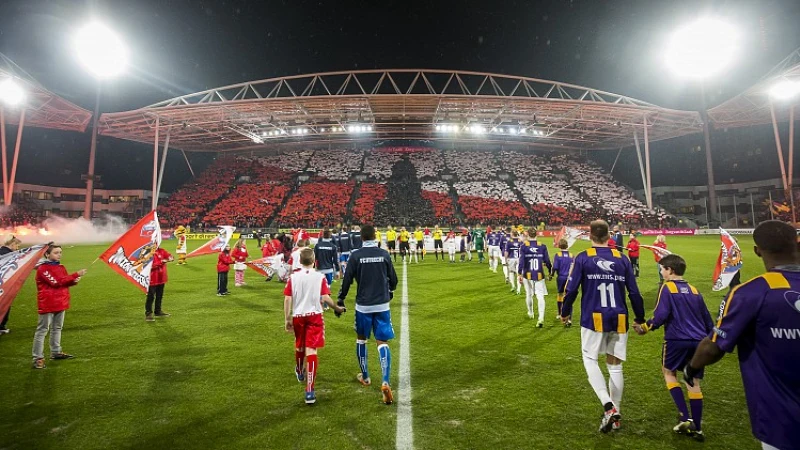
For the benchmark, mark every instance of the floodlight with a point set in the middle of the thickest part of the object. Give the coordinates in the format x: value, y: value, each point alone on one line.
x: 702, y: 48
x: 11, y: 93
x: 512, y: 130
x: 100, y: 50
x: 785, y: 89
x: 522, y: 131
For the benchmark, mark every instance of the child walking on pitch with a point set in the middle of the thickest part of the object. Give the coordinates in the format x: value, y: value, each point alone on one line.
x: 224, y: 262
x: 52, y: 294
x: 239, y: 255
x: 681, y: 310
x: 304, y: 294
x: 561, y: 265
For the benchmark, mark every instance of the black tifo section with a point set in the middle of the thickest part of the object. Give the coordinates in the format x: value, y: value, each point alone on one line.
x: 404, y: 199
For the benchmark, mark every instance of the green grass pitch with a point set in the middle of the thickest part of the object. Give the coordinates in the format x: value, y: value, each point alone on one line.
x: 219, y: 372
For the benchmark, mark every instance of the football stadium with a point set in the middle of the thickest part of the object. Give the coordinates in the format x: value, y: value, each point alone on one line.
x: 417, y: 226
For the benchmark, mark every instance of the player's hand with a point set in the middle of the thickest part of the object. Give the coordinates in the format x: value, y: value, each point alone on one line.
x: 391, y: 295
x: 288, y: 326
x: 639, y: 330
x: 338, y: 311
x: 689, y: 374
x: 82, y: 272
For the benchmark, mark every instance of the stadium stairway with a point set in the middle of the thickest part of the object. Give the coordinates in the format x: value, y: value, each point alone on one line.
x: 404, y: 198
x: 271, y: 221
x: 454, y: 196
x: 348, y: 218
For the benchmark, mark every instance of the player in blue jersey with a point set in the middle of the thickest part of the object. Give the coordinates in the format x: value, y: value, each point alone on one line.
x: 761, y: 319
x: 681, y: 310
x: 533, y: 258
x: 603, y: 275
x: 345, y: 247
x: 512, y: 260
x: 561, y: 265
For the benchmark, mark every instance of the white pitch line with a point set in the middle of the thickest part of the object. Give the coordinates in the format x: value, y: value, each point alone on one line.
x: 405, y: 434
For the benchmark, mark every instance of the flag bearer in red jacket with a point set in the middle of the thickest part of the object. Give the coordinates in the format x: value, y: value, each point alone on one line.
x: 223, y: 267
x: 158, y: 278
x: 52, y: 285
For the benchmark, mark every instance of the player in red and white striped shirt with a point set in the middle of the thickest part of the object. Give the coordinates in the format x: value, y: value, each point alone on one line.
x: 304, y: 294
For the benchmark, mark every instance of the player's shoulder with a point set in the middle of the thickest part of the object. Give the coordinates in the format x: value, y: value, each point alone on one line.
x: 762, y: 283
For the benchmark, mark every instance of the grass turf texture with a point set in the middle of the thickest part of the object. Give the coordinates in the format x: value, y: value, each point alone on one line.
x: 219, y: 372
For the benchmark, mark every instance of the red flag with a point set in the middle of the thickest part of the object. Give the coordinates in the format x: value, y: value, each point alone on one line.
x: 262, y: 266
x: 132, y: 254
x: 14, y: 270
x: 215, y: 245
x: 658, y: 251
x: 728, y: 263
x: 559, y: 236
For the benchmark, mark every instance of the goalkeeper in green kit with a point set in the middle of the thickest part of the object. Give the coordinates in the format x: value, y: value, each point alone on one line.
x: 478, y: 238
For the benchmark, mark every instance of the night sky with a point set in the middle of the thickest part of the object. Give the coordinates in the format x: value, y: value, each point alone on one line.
x: 181, y: 46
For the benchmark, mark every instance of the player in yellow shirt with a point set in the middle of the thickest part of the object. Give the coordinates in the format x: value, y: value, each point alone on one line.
x: 391, y: 238
x: 420, y: 237
x: 437, y: 242
x: 403, y: 238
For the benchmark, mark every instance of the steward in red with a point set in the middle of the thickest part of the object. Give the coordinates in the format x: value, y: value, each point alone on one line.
x: 158, y: 278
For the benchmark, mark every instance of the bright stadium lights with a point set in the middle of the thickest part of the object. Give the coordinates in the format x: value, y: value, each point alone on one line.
x: 283, y: 131
x: 512, y: 130
x: 522, y: 131
x: 322, y: 130
x: 11, y: 93
x: 785, y: 89
x: 702, y: 48
x: 477, y: 129
x: 100, y: 50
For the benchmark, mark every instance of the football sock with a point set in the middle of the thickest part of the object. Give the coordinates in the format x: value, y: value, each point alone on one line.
x: 311, y: 373
x: 596, y: 380
x: 529, y: 301
x: 696, y: 402
x: 540, y: 299
x: 505, y: 270
x: 560, y: 303
x: 386, y: 361
x: 299, y: 356
x: 616, y: 383
x: 677, y: 396
x: 361, y: 353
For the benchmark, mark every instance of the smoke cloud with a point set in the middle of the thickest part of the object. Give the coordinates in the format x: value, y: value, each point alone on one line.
x: 69, y: 231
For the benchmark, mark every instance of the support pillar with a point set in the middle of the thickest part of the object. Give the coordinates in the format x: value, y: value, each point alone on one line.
x: 790, y: 178
x: 87, y: 206
x: 155, y: 165
x: 712, y: 189
x: 3, y: 149
x: 10, y: 191
x: 778, y: 146
x: 641, y: 164
x: 161, y: 170
x: 647, y: 166
x: 187, y: 163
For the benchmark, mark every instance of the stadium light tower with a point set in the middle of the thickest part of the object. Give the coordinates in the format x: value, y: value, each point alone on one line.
x: 698, y: 51
x: 11, y: 93
x: 785, y: 91
x: 104, y: 55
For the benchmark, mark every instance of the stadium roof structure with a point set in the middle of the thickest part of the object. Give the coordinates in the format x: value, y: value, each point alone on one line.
x: 754, y: 106
x: 413, y: 104
x: 43, y: 109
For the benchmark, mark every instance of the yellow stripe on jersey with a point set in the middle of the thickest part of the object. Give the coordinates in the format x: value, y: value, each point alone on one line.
x: 658, y: 299
x: 615, y: 253
x: 598, y: 321
x: 591, y: 251
x: 673, y: 288
x: 694, y: 289
x: 776, y: 280
x: 528, y: 275
x: 622, y: 322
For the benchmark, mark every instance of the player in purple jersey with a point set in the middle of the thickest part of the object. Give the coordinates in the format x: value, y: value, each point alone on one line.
x: 504, y: 237
x: 533, y: 258
x: 493, y: 243
x: 681, y: 310
x: 513, y: 246
x: 603, y: 274
x: 761, y: 318
x: 561, y: 265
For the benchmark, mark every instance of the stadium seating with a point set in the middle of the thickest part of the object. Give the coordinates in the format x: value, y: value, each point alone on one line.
x: 406, y: 184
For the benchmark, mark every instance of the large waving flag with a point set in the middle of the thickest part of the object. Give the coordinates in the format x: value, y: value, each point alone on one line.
x: 729, y: 261
x: 215, y: 245
x: 570, y: 234
x: 658, y: 251
x: 262, y: 266
x: 270, y: 266
x: 132, y: 254
x: 14, y: 270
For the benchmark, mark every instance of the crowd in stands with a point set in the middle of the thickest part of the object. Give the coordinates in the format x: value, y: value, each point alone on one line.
x: 317, y: 204
x: 498, y: 190
x: 472, y: 166
x: 336, y: 164
x: 492, y: 212
x: 189, y: 204
x: 364, y: 208
x: 249, y: 205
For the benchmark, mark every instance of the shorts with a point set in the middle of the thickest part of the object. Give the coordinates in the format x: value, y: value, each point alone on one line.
x: 595, y: 343
x: 412, y: 248
x: 390, y: 245
x: 309, y: 331
x: 378, y: 323
x: 561, y: 284
x: 676, y: 354
x: 404, y: 247
x: 437, y: 243
x: 344, y: 257
x: 494, y: 251
x: 329, y: 277
x: 539, y: 287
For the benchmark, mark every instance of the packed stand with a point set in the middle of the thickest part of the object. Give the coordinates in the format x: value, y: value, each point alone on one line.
x: 335, y: 164
x: 378, y: 163
x: 369, y: 195
x: 292, y: 161
x: 472, y: 166
x: 317, y: 204
x: 497, y: 190
x: 190, y: 202
x: 404, y: 202
x: 491, y: 211
x: 248, y: 205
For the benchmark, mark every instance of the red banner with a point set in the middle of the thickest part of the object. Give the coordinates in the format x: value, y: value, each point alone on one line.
x: 132, y: 254
x: 657, y: 251
x: 668, y: 232
x: 14, y: 270
x: 215, y: 245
